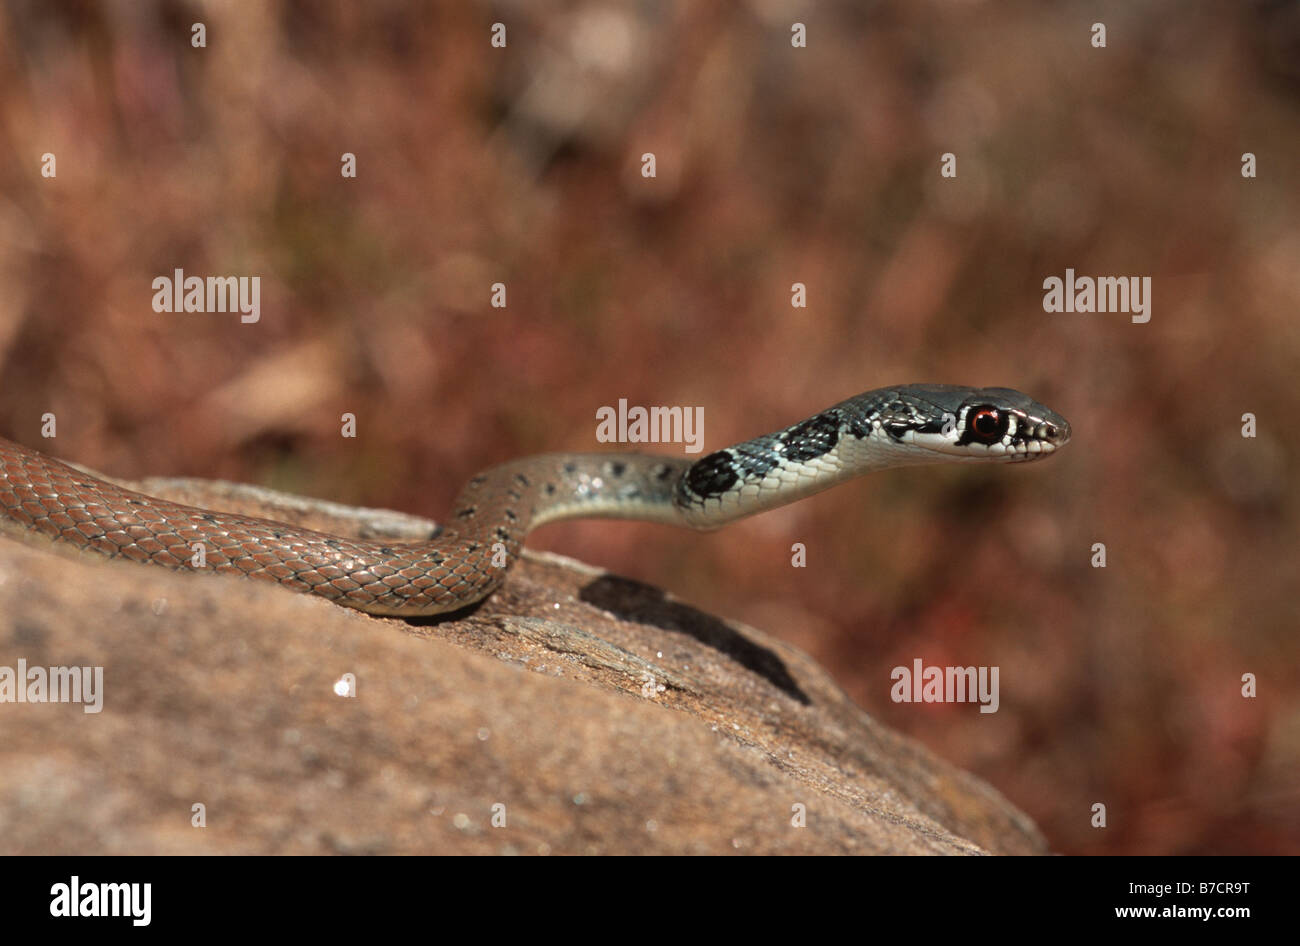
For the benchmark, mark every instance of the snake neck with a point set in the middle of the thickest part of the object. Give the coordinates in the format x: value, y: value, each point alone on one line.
x: 781, y: 468
x: 552, y: 487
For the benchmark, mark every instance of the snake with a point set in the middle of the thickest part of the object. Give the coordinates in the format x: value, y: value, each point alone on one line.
x: 468, y: 557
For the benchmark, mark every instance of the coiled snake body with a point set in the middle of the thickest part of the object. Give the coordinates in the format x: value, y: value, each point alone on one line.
x: 467, y: 560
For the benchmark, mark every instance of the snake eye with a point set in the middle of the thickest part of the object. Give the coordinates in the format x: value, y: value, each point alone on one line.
x: 987, y: 424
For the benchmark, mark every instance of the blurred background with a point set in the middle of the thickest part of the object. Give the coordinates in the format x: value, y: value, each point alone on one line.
x: 775, y: 165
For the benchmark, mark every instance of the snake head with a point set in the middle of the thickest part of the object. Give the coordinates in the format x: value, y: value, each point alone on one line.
x: 972, y: 423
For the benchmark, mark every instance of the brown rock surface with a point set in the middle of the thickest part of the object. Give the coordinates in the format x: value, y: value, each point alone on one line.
x: 603, y: 715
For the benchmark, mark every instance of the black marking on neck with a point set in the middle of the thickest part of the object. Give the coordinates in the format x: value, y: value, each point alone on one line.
x: 815, y: 437
x: 715, y: 474
x: 860, y: 425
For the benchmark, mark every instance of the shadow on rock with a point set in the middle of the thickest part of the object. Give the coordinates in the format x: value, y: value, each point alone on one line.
x: 633, y: 601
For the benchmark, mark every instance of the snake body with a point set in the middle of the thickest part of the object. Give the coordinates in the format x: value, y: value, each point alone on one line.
x: 468, y: 558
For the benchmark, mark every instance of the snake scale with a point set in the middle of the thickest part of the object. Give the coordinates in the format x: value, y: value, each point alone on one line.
x: 890, y: 427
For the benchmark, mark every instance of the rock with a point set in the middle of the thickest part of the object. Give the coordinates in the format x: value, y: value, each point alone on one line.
x: 599, y: 714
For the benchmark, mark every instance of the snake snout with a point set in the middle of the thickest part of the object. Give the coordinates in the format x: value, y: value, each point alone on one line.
x: 1055, y: 431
